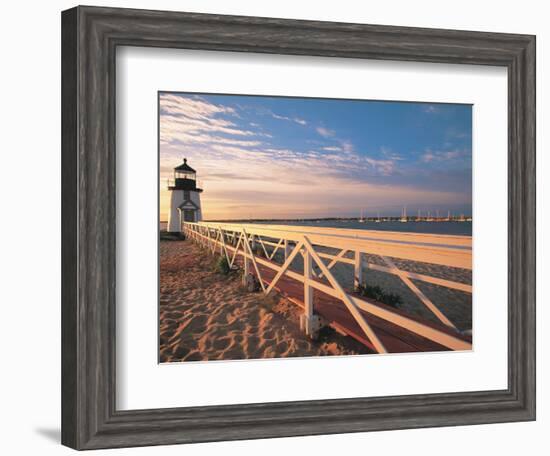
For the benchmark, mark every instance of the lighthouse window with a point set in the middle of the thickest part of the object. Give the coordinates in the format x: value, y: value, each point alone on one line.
x: 186, y: 195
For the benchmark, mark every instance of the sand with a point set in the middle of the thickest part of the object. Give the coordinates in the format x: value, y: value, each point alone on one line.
x: 205, y: 315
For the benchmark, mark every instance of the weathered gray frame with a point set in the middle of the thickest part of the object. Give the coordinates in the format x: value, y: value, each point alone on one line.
x: 89, y: 38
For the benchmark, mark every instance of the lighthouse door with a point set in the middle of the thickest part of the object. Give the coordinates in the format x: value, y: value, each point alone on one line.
x: 188, y: 215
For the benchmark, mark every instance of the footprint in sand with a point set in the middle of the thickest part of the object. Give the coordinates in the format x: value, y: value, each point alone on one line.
x: 282, y: 347
x: 234, y: 352
x: 174, y: 315
x: 251, y: 345
x: 222, y: 343
x: 302, y: 345
x: 165, y: 354
x: 194, y: 356
x: 163, y: 339
x: 197, y: 324
x: 269, y: 334
x: 180, y: 352
x: 238, y: 338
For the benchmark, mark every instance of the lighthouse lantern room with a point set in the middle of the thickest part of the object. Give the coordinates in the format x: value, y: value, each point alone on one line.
x: 185, y: 201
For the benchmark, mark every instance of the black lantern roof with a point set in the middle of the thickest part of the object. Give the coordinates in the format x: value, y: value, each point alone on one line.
x: 184, y: 167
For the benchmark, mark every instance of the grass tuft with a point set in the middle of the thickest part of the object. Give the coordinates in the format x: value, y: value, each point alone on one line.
x: 221, y: 266
x: 378, y: 294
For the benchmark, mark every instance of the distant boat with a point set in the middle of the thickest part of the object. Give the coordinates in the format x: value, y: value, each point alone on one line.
x: 378, y: 219
x: 362, y: 219
x: 404, y: 215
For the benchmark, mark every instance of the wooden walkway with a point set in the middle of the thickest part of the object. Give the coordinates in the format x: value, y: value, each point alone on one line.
x: 381, y: 328
x: 395, y: 338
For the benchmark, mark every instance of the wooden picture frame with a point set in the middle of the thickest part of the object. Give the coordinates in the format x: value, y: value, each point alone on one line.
x: 90, y: 37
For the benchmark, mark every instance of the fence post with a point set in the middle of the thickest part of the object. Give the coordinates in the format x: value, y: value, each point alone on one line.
x: 309, y: 323
x: 213, y: 242
x: 245, y: 265
x: 253, y: 243
x: 308, y: 290
x: 287, y: 249
x: 358, y: 270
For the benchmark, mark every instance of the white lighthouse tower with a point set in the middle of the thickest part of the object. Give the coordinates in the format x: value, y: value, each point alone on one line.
x: 185, y: 200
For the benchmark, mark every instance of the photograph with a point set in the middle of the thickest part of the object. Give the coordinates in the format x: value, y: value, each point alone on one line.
x: 302, y: 227
x: 262, y: 228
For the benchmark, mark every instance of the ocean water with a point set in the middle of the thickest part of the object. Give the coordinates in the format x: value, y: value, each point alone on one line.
x: 452, y: 227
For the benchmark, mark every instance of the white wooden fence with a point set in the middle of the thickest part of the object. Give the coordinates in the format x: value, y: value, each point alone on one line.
x: 236, y: 239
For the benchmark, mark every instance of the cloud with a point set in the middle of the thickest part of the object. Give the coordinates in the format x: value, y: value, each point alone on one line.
x: 431, y: 109
x: 347, y: 146
x: 430, y: 156
x: 290, y: 119
x: 277, y: 182
x: 455, y: 133
x: 382, y: 167
x: 294, y: 197
x: 389, y: 154
x: 190, y: 119
x: 182, y: 123
x: 175, y: 136
x: 325, y: 132
x: 244, y: 174
x: 191, y: 106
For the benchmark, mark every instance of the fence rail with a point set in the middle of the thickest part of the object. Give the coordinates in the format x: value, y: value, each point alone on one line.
x: 241, y: 242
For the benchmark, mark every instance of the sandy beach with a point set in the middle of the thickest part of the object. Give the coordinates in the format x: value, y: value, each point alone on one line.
x: 205, y: 315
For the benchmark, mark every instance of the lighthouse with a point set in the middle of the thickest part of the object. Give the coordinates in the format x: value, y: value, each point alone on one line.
x: 185, y: 199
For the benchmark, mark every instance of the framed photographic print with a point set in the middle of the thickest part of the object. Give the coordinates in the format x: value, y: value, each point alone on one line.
x: 268, y: 225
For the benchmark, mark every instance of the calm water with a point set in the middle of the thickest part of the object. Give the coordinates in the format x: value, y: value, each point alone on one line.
x: 454, y: 228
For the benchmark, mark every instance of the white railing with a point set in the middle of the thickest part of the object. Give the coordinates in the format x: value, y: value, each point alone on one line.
x: 239, y: 240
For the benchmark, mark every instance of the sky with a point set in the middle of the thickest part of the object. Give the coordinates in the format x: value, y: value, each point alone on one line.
x: 281, y: 157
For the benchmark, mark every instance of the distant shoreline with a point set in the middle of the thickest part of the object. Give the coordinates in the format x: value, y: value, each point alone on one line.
x: 442, y: 227
x: 327, y: 219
